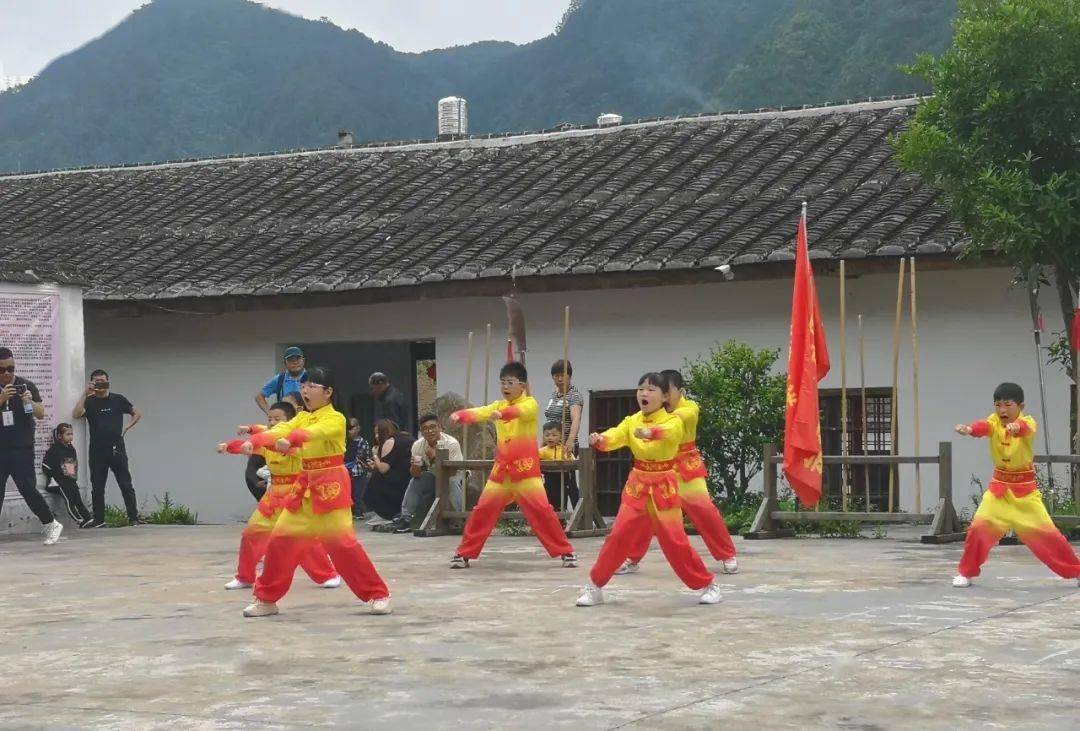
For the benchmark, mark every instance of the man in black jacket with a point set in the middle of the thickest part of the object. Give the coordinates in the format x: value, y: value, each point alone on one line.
x: 20, y: 408
x: 389, y: 402
x: 104, y: 412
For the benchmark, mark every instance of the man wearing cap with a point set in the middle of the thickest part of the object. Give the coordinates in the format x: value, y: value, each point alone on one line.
x: 389, y: 401
x: 286, y: 382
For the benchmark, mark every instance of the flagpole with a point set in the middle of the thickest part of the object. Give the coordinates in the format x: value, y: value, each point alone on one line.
x: 862, y: 389
x: 844, y: 486
x: 565, y: 398
x: 895, y: 383
x: 468, y: 391
x: 1033, y: 302
x: 487, y: 382
x: 915, y: 384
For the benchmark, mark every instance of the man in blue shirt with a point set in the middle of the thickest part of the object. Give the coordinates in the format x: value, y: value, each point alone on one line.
x: 286, y: 382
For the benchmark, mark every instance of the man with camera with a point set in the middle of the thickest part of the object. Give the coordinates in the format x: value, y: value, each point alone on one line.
x: 20, y: 407
x: 104, y: 412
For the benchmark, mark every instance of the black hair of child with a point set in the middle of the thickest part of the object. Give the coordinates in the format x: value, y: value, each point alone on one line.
x: 674, y: 378
x: 550, y: 425
x: 286, y: 408
x: 655, y: 379
x: 1009, y: 392
x: 516, y: 370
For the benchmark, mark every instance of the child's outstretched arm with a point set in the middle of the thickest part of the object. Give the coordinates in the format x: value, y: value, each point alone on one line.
x: 974, y: 429
x: 614, y: 438
x: 477, y: 414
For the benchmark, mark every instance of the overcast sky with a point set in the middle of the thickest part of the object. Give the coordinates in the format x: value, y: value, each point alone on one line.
x: 34, y: 32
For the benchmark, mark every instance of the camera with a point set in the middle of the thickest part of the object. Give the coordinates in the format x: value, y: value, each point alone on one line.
x: 20, y: 388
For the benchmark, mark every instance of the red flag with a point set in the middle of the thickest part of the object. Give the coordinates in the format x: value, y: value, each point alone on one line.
x: 808, y: 363
x: 1076, y: 329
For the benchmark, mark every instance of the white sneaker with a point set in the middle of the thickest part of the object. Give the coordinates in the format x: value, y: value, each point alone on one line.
x: 593, y: 595
x: 731, y: 565
x: 381, y: 606
x: 237, y: 584
x: 711, y: 595
x: 52, y: 532
x: 459, y: 562
x: 260, y: 609
x: 331, y: 583
x: 377, y: 520
x: 961, y: 582
x: 628, y: 568
x: 569, y: 561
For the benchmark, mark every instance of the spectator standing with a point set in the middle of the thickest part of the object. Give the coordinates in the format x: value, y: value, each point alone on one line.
x: 421, y: 487
x: 357, y: 453
x: 20, y: 407
x: 389, y: 401
x: 283, y: 386
x: 565, y: 406
x: 104, y: 412
x: 389, y: 471
x: 61, y: 465
x: 286, y: 382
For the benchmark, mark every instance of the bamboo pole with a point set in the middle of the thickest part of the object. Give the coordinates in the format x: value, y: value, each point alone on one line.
x: 468, y: 391
x: 487, y: 382
x: 915, y: 383
x: 895, y: 382
x: 862, y: 388
x: 566, y: 397
x: 844, y: 487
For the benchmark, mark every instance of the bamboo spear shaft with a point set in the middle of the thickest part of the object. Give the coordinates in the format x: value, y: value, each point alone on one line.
x: 566, y: 397
x: 468, y: 391
x: 862, y: 389
x: 895, y: 382
x: 844, y: 487
x: 487, y: 382
x: 915, y: 383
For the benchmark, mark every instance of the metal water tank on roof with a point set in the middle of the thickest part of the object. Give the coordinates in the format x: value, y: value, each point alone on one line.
x: 453, y: 116
x: 608, y: 120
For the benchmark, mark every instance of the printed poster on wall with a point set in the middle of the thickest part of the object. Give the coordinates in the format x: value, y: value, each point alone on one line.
x: 29, y: 325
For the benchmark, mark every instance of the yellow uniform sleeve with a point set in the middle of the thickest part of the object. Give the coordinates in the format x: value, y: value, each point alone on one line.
x: 616, y: 437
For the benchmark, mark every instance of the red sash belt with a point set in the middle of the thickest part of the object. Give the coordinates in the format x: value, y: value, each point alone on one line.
x: 330, y: 487
x: 655, y: 479
x: 689, y: 463
x: 276, y: 497
x: 322, y: 463
x: 515, y: 461
x: 1018, y: 482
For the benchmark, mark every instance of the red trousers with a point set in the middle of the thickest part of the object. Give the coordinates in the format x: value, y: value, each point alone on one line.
x: 1028, y: 517
x: 297, y: 533
x: 314, y: 561
x: 635, y: 527
x: 705, y: 516
x: 530, y: 496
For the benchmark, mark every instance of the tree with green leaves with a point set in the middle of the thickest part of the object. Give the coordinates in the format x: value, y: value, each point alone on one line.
x: 1001, y: 136
x: 742, y: 409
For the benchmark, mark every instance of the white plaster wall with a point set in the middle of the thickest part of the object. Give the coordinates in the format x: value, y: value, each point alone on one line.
x: 194, y: 376
x: 16, y: 516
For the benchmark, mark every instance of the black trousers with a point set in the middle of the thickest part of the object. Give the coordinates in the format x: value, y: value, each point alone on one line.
x: 251, y: 478
x: 102, y: 461
x: 18, y: 464
x: 554, y: 484
x: 73, y: 499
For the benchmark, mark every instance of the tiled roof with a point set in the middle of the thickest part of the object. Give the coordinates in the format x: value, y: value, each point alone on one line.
x: 670, y: 195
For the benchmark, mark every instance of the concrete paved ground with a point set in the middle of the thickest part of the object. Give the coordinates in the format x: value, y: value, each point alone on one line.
x: 129, y: 628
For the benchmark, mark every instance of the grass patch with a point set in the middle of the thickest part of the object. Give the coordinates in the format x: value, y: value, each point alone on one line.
x: 170, y: 513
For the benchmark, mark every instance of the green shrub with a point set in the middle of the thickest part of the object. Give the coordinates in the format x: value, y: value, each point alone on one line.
x: 116, y: 517
x: 170, y: 513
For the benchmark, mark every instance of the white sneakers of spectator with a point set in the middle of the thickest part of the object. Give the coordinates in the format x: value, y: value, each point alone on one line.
x: 51, y: 532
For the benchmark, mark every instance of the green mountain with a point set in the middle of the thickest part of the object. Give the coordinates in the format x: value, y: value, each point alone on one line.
x: 193, y: 78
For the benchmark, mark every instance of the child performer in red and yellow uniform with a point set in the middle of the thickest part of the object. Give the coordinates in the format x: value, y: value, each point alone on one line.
x: 319, y: 510
x: 516, y: 476
x: 693, y: 491
x: 284, y: 474
x: 1013, y: 499
x: 650, y: 501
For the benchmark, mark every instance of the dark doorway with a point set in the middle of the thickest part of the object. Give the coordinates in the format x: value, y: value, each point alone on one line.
x: 606, y: 409
x: 875, y: 440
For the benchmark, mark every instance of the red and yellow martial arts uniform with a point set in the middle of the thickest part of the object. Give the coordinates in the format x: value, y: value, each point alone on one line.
x: 317, y: 510
x: 650, y: 500
x: 515, y: 477
x: 693, y: 492
x: 284, y: 476
x: 1013, y: 501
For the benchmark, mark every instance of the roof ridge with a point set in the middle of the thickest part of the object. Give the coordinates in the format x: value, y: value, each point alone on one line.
x: 494, y: 139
